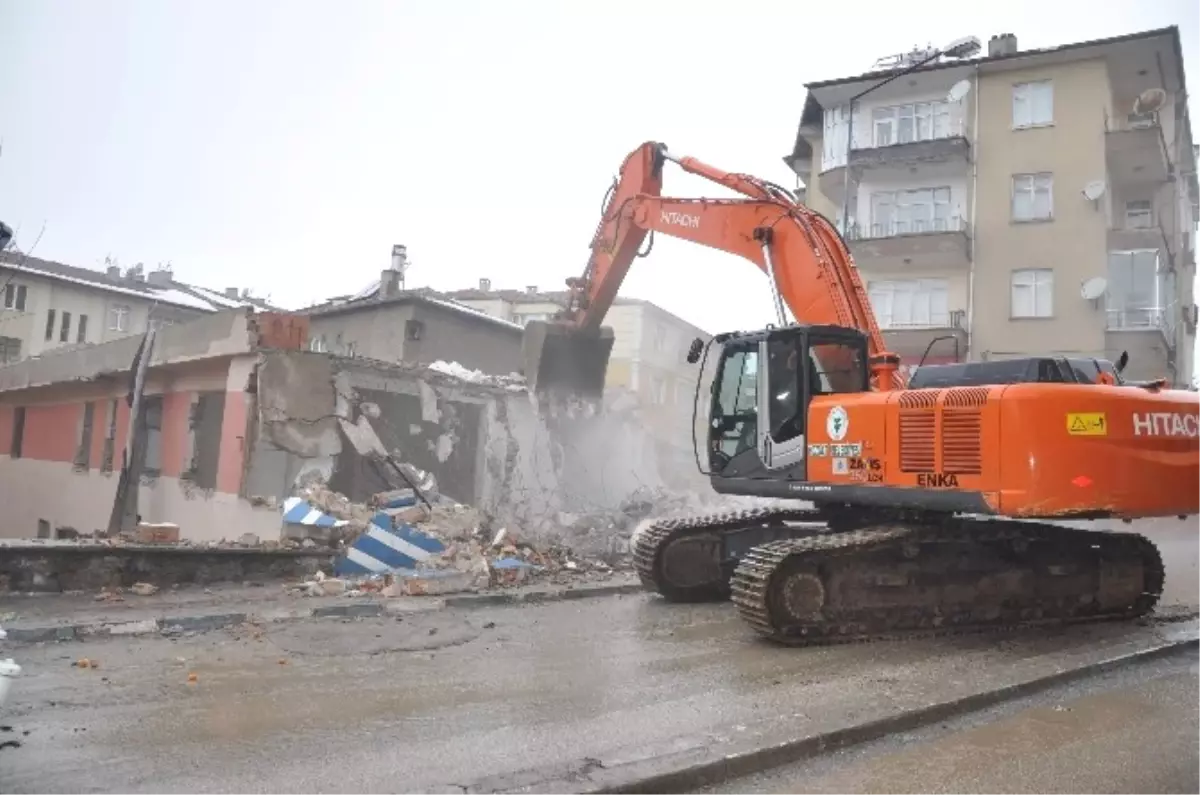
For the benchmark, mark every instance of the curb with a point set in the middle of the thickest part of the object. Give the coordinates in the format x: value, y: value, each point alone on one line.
x: 173, y: 626
x: 688, y: 771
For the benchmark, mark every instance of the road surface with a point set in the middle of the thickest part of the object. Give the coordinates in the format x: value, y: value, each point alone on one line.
x: 1131, y: 731
x: 439, y: 701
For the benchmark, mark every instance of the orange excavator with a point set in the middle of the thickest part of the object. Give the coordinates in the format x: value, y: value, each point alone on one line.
x: 931, y: 506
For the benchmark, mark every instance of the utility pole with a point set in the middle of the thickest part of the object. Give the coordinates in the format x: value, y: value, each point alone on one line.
x: 123, y: 518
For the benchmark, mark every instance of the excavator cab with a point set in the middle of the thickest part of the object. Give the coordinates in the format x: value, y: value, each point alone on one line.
x: 760, y: 396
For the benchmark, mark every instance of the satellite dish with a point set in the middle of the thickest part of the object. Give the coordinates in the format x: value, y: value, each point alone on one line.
x: 1093, y: 288
x: 1149, y: 101
x: 958, y: 91
x: 1094, y: 190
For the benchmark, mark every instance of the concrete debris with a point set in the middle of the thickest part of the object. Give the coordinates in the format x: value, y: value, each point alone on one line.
x: 144, y: 589
x: 160, y: 533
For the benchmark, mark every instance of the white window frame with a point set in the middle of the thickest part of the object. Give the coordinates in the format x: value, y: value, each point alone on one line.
x: 1032, y: 185
x: 902, y: 204
x: 1033, y: 104
x: 928, y: 303
x: 1126, y: 314
x: 927, y: 121
x: 16, y: 296
x: 118, y: 317
x: 1040, y: 283
x: 1139, y: 214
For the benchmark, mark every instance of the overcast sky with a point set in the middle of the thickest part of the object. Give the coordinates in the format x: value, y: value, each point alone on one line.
x: 285, y: 146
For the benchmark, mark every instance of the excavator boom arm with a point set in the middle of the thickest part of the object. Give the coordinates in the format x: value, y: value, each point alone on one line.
x: 806, y: 261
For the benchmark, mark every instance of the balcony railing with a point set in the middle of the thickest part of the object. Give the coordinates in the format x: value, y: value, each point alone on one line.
x: 833, y: 153
x: 926, y: 226
x: 955, y: 319
x: 1136, y: 318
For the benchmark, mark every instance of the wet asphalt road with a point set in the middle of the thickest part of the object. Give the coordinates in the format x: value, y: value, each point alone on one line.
x: 1134, y: 730
x: 442, y: 700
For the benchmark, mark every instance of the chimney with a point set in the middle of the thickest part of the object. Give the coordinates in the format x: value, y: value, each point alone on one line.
x: 1002, y: 44
x: 160, y: 277
x: 113, y: 272
x: 485, y: 285
x: 389, y: 283
x: 231, y: 292
x: 399, y: 258
x: 531, y: 289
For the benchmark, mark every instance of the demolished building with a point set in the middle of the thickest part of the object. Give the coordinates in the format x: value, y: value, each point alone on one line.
x: 241, y: 415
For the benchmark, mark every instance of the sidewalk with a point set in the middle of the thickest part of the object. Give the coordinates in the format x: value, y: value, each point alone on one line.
x: 65, y: 617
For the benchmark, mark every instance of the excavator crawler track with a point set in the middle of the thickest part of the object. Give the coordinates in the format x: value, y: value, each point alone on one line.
x: 958, y: 576
x: 691, y: 559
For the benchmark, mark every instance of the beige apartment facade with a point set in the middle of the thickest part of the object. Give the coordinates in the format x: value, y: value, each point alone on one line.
x: 1019, y: 203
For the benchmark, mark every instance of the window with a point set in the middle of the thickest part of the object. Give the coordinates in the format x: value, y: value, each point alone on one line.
x: 1033, y: 104
x: 660, y: 337
x: 50, y: 324
x: 1033, y: 197
x: 1033, y: 293
x: 523, y: 319
x: 14, y: 296
x: 118, y: 318
x: 18, y: 433
x: 1139, y: 214
x: 1137, y: 290
x: 81, y: 334
x: 911, y: 303
x: 83, y: 451
x: 64, y: 335
x: 905, y: 124
x: 910, y: 211
x: 735, y: 410
x: 413, y: 330
x: 152, y: 463
x: 108, y: 451
x: 10, y: 349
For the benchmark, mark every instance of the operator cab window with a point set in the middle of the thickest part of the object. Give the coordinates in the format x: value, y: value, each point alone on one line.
x: 735, y: 413
x: 836, y: 367
x: 786, y: 409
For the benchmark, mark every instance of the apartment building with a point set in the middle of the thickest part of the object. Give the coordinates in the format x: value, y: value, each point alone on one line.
x: 1020, y: 202
x: 46, y: 305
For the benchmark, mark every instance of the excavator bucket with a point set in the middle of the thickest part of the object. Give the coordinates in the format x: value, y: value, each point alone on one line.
x: 564, y: 360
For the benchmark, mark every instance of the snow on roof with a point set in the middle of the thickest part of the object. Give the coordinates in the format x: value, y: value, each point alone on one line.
x: 170, y: 295
x: 220, y: 299
x: 472, y: 311
x: 148, y: 293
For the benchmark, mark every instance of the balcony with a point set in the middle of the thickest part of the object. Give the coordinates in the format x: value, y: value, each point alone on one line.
x: 945, y: 339
x: 940, y: 244
x: 1136, y: 150
x: 1129, y: 237
x: 945, y: 153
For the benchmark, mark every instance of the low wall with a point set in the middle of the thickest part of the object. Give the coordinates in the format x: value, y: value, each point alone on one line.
x: 54, y: 568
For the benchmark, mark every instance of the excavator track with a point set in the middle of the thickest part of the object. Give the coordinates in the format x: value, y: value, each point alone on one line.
x: 957, y: 576
x: 689, y: 559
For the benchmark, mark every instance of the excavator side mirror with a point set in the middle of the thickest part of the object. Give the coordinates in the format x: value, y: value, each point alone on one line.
x: 693, y: 354
x: 1122, y: 361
